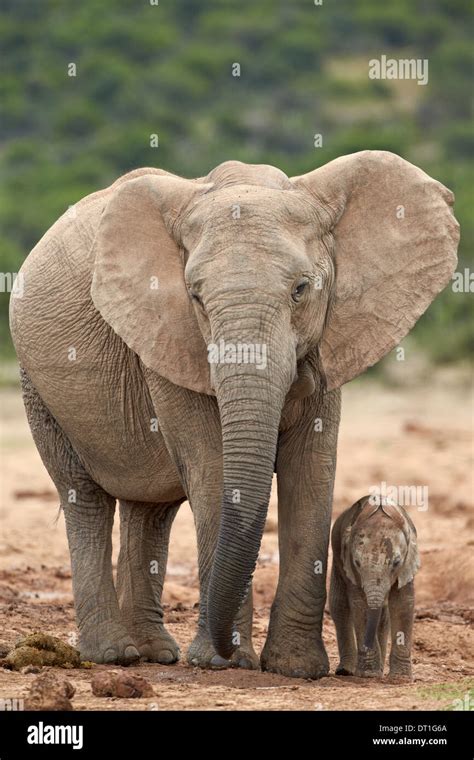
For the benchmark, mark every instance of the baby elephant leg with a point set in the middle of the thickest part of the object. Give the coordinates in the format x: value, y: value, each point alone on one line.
x: 401, y: 606
x: 144, y: 537
x: 89, y: 513
x: 342, y: 617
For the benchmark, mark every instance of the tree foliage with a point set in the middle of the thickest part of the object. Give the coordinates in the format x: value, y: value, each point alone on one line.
x: 166, y: 69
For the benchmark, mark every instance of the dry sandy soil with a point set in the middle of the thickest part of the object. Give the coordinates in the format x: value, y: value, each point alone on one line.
x: 417, y: 436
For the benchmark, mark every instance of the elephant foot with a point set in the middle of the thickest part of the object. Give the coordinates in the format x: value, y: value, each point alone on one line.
x: 202, y: 654
x: 108, y: 643
x: 400, y: 671
x: 369, y: 665
x: 345, y: 670
x: 157, y: 646
x: 310, y: 661
x: 361, y: 673
x: 394, y: 677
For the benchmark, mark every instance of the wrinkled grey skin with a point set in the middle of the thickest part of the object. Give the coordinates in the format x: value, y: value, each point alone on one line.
x: 113, y: 418
x: 375, y: 559
x: 90, y: 418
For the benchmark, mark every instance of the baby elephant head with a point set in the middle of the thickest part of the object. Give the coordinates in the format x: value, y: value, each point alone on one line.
x: 379, y: 549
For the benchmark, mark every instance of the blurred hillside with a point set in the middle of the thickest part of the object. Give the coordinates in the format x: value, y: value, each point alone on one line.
x: 166, y: 70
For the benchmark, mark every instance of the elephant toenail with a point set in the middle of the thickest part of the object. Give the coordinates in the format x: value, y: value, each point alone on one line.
x: 219, y: 662
x: 166, y: 657
x: 298, y: 673
x: 110, y: 655
x: 131, y: 653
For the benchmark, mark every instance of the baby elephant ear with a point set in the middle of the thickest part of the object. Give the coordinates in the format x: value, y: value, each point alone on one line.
x: 138, y: 282
x: 412, y: 560
x: 395, y: 242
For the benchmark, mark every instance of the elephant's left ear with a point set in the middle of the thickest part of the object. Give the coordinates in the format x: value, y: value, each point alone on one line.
x: 346, y: 554
x: 395, y: 242
x: 412, y: 560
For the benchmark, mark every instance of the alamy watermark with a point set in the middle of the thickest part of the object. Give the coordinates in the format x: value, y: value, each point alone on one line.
x: 403, y: 68
x: 12, y: 704
x: 403, y: 496
x: 12, y: 282
x: 42, y: 733
x: 463, y: 282
x: 237, y: 353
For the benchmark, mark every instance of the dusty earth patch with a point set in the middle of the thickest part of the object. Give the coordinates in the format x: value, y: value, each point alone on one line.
x: 416, y: 436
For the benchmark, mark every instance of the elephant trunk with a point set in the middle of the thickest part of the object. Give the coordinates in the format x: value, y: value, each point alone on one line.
x: 372, y: 624
x: 376, y: 587
x: 250, y: 400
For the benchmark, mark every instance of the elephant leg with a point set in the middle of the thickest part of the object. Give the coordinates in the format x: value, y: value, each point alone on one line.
x: 89, y: 513
x: 402, y: 610
x: 196, y: 451
x: 384, y: 628
x: 342, y: 617
x: 369, y: 662
x: 305, y: 468
x: 144, y: 537
x: 202, y: 652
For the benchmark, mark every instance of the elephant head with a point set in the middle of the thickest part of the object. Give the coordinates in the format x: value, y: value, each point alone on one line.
x: 379, y: 549
x: 265, y: 271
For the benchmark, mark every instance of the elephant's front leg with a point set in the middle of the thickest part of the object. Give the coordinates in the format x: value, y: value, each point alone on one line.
x: 342, y: 617
x: 306, y: 465
x: 201, y: 652
x: 402, y: 609
x: 190, y: 425
x: 144, y: 537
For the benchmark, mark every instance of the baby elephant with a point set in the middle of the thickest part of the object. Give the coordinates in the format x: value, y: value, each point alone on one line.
x: 375, y: 558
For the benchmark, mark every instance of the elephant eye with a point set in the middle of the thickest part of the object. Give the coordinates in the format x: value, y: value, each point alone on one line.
x: 299, y: 290
x: 195, y: 298
x: 396, y: 561
x: 357, y: 562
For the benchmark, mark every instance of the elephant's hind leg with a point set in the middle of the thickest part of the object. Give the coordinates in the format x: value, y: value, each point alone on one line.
x: 144, y: 537
x: 89, y: 514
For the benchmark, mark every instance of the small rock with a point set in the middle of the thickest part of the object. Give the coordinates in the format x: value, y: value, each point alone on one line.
x: 62, y: 572
x: 50, y: 692
x: 28, y: 669
x: 113, y: 683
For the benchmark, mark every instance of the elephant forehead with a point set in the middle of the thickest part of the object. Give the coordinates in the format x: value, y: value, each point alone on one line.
x: 247, y: 206
x: 379, y: 537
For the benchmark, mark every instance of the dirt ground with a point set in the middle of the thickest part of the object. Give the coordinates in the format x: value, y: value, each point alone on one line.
x: 419, y: 436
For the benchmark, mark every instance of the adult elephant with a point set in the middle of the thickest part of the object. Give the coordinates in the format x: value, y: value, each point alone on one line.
x: 295, y: 286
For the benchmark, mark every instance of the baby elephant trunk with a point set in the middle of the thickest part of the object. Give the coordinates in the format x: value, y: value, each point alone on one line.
x: 373, y: 620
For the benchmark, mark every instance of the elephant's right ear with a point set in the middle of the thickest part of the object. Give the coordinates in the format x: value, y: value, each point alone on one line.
x: 138, y: 281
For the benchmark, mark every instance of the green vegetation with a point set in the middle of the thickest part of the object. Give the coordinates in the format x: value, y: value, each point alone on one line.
x: 453, y: 696
x: 166, y: 69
